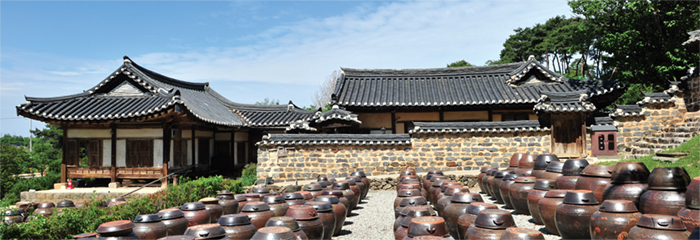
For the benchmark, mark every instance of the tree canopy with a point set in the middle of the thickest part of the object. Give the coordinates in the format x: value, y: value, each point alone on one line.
x: 460, y: 63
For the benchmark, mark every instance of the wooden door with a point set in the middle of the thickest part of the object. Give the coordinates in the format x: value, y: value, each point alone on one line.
x: 94, y: 153
x: 139, y: 153
x: 567, y: 135
x: 204, y: 155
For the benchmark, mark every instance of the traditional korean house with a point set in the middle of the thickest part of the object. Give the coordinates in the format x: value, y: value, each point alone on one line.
x: 138, y: 124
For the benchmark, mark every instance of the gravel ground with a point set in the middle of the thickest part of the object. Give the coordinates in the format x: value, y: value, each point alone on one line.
x: 521, y: 220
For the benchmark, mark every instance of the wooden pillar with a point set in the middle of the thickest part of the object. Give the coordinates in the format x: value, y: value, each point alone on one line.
x: 231, y: 146
x: 113, y: 157
x: 491, y: 115
x: 584, y: 147
x: 167, y: 136
x: 442, y: 116
x: 194, y: 157
x: 393, y: 121
x: 234, y: 150
x: 64, y: 173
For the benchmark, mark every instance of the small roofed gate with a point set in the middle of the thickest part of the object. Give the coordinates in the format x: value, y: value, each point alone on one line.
x: 568, y: 136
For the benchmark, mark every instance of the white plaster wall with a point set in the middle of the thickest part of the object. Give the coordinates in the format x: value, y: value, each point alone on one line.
x: 158, y: 153
x: 172, y: 152
x: 121, y: 153
x: 223, y: 136
x: 187, y: 134
x: 241, y: 136
x: 189, y: 152
x: 106, y: 153
x: 89, y: 133
x: 140, y: 133
x: 203, y: 134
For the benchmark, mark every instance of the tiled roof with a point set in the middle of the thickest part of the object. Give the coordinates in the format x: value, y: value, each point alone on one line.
x: 656, y: 97
x: 96, y: 108
x: 271, y: 116
x: 603, y: 121
x: 564, y: 102
x: 513, y: 83
x: 627, y: 111
x: 336, y: 114
x: 299, y: 126
x: 694, y: 38
x: 336, y: 139
x: 597, y: 128
x: 465, y: 127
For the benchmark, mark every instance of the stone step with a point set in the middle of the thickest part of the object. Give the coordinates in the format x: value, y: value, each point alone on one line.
x: 645, y: 151
x: 635, y: 156
x: 665, y: 159
x: 673, y: 140
x: 673, y: 134
x: 645, y: 144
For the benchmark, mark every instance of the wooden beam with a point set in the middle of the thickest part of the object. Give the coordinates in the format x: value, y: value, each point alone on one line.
x: 64, y: 174
x: 113, y: 157
x: 393, y: 121
x: 194, y: 157
x: 442, y: 116
x: 167, y: 136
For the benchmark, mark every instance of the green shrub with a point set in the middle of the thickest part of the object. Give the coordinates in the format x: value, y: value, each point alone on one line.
x: 87, y: 219
x: 23, y: 185
x: 249, y: 175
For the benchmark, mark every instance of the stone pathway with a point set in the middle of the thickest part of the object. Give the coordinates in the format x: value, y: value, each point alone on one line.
x: 372, y: 219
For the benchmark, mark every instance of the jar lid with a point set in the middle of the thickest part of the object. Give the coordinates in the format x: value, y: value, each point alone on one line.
x: 237, y: 219
x: 512, y: 176
x: 283, y: 221
x: 177, y: 237
x: 85, y: 235
x: 521, y: 233
x: 502, y: 173
x: 465, y: 197
x: 239, y: 197
x: 630, y: 172
x: 261, y: 190
x: 437, y: 178
x: 273, y: 233
x: 409, y: 192
x: 147, y: 218
x: 429, y: 237
x: 669, y: 178
x: 545, y: 184
x: 222, y: 195
x: 438, y: 183
x: 555, y: 166
x: 526, y: 179
x: 556, y: 193
x: 119, y: 227
x: 515, y: 159
x: 14, y: 212
x: 341, y: 185
x: 322, y: 179
x: 543, y: 160
x: 410, y: 181
x: 359, y: 173
x: 323, y: 184
x: 292, y: 196
x: 422, y: 210
x: 328, y: 198
x: 413, y: 201
x: 65, y: 203
x: 273, y: 199
x: 527, y: 161
x: 434, y: 171
x: 116, y: 199
x: 451, y: 190
x: 351, y: 181
x: 192, y: 206
x: 487, y: 169
x: 428, y: 225
x: 408, y: 171
x: 312, y: 187
x: 320, y: 206
x: 494, y: 219
x: 255, y: 207
x: 580, y: 197
x: 302, y: 212
x: 251, y: 195
x: 333, y: 192
x: 618, y: 206
x: 306, y: 194
x: 225, y: 192
x: 444, y: 185
x: 170, y: 213
x: 476, y: 207
x: 574, y: 167
x: 410, y: 186
x: 46, y: 205
x: 595, y: 170
x: 209, y: 200
x: 206, y: 231
x: 662, y: 222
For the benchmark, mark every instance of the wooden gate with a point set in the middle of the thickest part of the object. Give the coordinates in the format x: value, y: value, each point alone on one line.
x: 568, y: 135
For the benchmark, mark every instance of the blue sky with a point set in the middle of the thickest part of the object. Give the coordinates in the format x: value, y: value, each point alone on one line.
x: 246, y: 50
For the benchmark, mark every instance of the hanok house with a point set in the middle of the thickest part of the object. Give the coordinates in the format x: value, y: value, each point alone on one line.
x: 138, y: 124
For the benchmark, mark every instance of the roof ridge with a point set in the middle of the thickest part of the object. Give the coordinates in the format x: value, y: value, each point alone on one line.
x: 58, y: 98
x: 165, y: 79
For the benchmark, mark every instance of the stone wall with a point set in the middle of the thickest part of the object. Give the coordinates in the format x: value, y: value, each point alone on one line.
x: 692, y: 98
x: 657, y: 117
x: 444, y: 151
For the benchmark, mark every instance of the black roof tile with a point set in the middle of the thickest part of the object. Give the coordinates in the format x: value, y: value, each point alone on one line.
x: 464, y: 127
x: 627, y: 111
x: 344, y: 139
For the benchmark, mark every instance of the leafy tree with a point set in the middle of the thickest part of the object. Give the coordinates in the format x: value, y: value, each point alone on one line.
x: 460, y: 63
x: 52, y: 134
x: 269, y: 101
x: 14, y: 140
x: 11, y: 158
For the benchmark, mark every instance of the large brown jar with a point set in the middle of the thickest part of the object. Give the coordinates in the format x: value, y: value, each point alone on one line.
x: 518, y: 193
x: 409, y: 201
x: 467, y: 219
x: 326, y: 180
x: 306, y: 194
x: 195, y: 213
x: 64, y: 204
x: 366, y: 180
x: 237, y: 226
x: 692, y: 195
x: 149, y: 227
x: 666, y: 194
x: 541, y: 163
x: 120, y: 229
x: 573, y: 216
x: 508, y: 179
x: 515, y: 160
x: 547, y: 207
x: 436, y: 186
x: 487, y: 181
x: 431, y: 187
x: 522, y: 234
x: 495, y: 185
x: 401, y: 224
x: 259, y: 213
x: 13, y: 216
x: 405, y: 193
x: 629, y: 181
x: 325, y: 213
x: 480, y: 178
x: 277, y: 204
x: 262, y: 191
x: 443, y: 187
x: 215, y: 210
x: 45, y: 208
x: 341, y: 197
x: 457, y: 206
x: 174, y: 220
x: 427, y: 226
x: 308, y: 220
x: 541, y: 187
x: 313, y: 188
x: 240, y: 198
x: 571, y: 171
x: 207, y: 231
x: 338, y: 210
x: 655, y: 226
x: 614, y: 219
x: 355, y: 189
x: 553, y: 170
x: 289, y: 222
x: 274, y: 233
x: 526, y: 165
x: 690, y: 217
x: 490, y: 224
x: 447, y: 197
x: 595, y: 178
x: 404, y: 212
x: 361, y: 184
x: 228, y: 202
x: 431, y: 173
x: 294, y: 198
x: 344, y: 186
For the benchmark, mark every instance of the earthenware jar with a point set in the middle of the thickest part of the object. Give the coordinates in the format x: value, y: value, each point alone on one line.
x: 45, y: 208
x: 306, y: 194
x: 347, y: 193
x: 341, y: 198
x: 541, y: 187
x: 408, y: 185
x: 237, y: 226
x: 13, y: 216
x: 656, y: 226
x: 614, y: 219
x: 480, y: 178
x: 521, y: 234
x: 440, y: 192
x: 547, y: 207
x: 338, y: 210
x: 259, y: 213
x: 595, y: 178
x: 402, y: 223
x: 457, y: 206
x: 447, y: 196
x: 432, y: 182
x: 515, y: 160
x: 314, y: 189
x: 324, y: 185
x: 541, y: 163
x: 467, y: 219
x: 526, y: 164
x: 355, y: 189
x: 695, y: 234
x: 692, y: 195
x: 289, y: 222
x: 363, y: 176
x: 325, y: 180
x: 65, y: 204
x: 518, y: 192
x: 325, y: 213
x: 174, y: 220
x: 262, y: 191
x: 274, y: 233
x: 196, y: 213
x: 666, y: 194
x: 495, y: 185
x: 487, y: 181
x: 436, y: 186
x: 120, y: 229
x: 87, y: 235
x: 427, y: 226
x: 690, y: 217
x: 308, y: 220
x: 252, y: 197
x: 409, y: 201
x: 629, y: 181
x: 294, y: 198
x: 149, y: 227
x: 508, y: 179
x: 207, y: 231
x: 405, y: 193
x: 573, y: 216
x: 277, y: 204
x: 215, y: 210
x: 490, y: 224
x: 228, y: 202
x: 553, y: 170
x: 408, y: 179
x: 364, y: 188
x: 426, y: 181
x: 571, y: 171
x: 240, y: 198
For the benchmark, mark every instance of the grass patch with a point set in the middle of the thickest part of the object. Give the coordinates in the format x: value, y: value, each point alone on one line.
x: 691, y: 163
